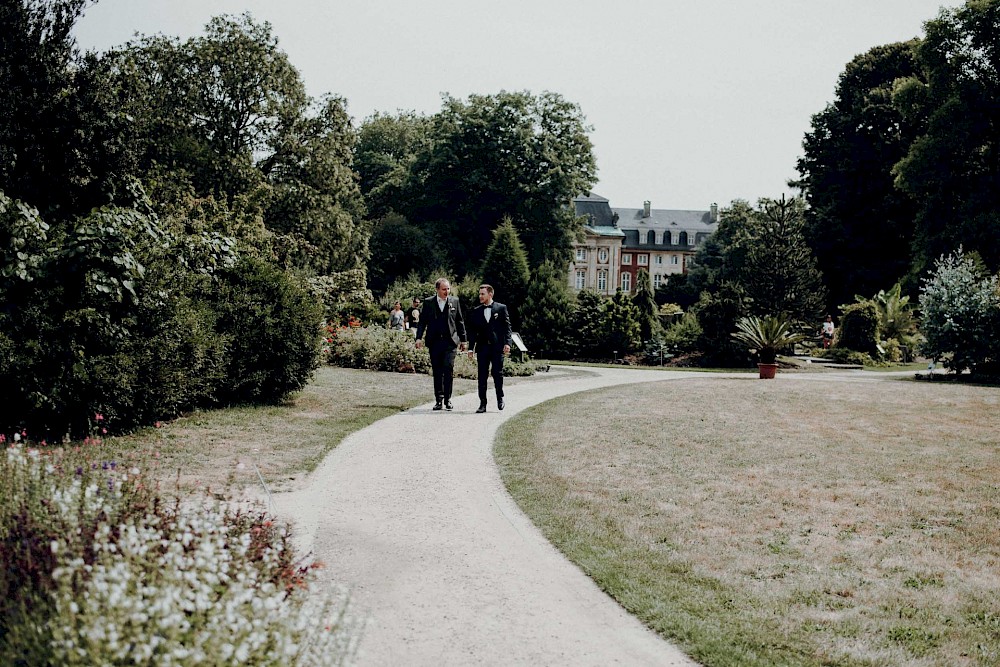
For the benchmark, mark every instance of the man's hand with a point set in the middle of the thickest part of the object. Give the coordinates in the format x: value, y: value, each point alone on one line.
x: 420, y: 343
x: 462, y: 346
x: 506, y: 349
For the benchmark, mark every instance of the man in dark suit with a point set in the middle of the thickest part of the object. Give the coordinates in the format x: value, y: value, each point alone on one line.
x: 441, y: 318
x: 490, y: 337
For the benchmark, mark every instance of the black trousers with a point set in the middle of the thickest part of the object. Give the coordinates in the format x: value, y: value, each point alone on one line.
x: 442, y: 353
x: 487, y: 356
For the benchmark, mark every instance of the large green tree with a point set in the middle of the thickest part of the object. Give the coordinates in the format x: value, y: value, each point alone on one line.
x: 647, y: 312
x: 953, y: 168
x: 226, y: 115
x: 387, y: 149
x: 858, y: 223
x: 510, y: 154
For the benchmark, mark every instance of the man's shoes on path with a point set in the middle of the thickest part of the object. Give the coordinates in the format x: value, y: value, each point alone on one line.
x: 500, y: 403
x: 437, y: 406
x: 448, y: 405
x: 482, y: 408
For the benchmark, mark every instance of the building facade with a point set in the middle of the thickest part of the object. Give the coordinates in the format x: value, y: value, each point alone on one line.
x: 629, y: 240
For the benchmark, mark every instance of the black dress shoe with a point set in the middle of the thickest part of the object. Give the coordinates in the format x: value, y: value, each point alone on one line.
x: 482, y: 408
x: 448, y: 405
x: 437, y: 406
x: 500, y: 403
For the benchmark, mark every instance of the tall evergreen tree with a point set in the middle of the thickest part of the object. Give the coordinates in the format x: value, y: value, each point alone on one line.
x: 590, y: 325
x: 547, y: 313
x: 505, y: 267
x: 647, y: 311
x: 624, y: 335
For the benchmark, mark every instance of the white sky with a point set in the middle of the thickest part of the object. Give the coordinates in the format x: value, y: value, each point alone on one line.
x: 691, y: 101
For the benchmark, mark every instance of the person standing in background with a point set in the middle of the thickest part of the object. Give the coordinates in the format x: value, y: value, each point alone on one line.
x: 396, y: 317
x: 490, y: 336
x: 441, y: 319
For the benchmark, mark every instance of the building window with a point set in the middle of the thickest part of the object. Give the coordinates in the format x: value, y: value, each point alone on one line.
x: 673, y: 260
x: 602, y: 255
x: 626, y: 282
x: 666, y: 237
x: 581, y: 254
x: 602, y: 281
x: 651, y: 237
x: 659, y: 260
x: 643, y: 260
x: 581, y: 279
x: 682, y: 239
x: 626, y: 259
x: 657, y: 279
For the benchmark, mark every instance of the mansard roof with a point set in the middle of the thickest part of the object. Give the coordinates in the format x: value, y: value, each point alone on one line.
x: 634, y: 218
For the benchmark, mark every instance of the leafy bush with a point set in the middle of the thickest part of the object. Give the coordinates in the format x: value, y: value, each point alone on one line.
x: 842, y: 355
x: 859, y: 328
x: 274, y: 327
x: 960, y: 314
x: 344, y: 296
x: 101, y: 570
x: 682, y: 336
x: 377, y: 349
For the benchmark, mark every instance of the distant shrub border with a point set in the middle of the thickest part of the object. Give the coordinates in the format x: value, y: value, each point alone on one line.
x: 99, y: 569
x: 378, y: 349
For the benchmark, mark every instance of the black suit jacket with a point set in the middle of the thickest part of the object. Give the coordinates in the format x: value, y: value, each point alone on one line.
x: 496, y: 331
x: 449, y: 323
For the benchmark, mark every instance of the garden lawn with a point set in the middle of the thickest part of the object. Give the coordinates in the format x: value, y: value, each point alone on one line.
x: 801, y: 521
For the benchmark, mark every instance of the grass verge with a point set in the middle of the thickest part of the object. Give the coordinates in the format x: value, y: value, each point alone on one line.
x: 779, y: 523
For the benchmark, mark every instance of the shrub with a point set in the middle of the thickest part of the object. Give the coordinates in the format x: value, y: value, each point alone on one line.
x: 376, y: 349
x: 682, y: 336
x: 859, y: 328
x: 101, y: 570
x: 344, y: 296
x: 960, y: 314
x: 274, y: 328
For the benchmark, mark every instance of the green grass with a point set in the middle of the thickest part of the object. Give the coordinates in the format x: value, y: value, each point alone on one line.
x: 787, y: 522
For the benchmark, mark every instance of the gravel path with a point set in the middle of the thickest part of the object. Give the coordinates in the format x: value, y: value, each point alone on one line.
x: 411, y: 515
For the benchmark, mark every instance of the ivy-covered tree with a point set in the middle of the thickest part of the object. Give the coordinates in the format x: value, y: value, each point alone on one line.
x: 505, y: 267
x: 547, y: 312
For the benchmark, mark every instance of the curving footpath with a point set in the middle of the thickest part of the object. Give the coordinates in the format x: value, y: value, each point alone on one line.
x: 411, y: 515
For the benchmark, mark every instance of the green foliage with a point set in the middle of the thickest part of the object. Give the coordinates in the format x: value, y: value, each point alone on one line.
x: 547, y: 313
x: 717, y: 315
x: 859, y: 328
x: 624, y: 333
x: 398, y: 249
x: 273, y: 325
x: 590, y: 325
x: 460, y: 172
x: 377, y: 349
x: 960, y: 314
x: 505, y: 267
x: 682, y: 336
x: 96, y: 564
x: 847, y: 179
x: 644, y: 301
x: 950, y: 168
x: 345, y: 296
x: 895, y: 314
x: 767, y: 336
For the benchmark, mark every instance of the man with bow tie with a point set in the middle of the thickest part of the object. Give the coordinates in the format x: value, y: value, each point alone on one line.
x: 441, y: 318
x: 490, y: 337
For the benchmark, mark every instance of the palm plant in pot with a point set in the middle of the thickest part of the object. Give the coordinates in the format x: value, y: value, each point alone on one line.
x: 767, y: 336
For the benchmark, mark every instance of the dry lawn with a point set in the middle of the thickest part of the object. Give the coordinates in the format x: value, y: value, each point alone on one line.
x: 802, y: 521
x: 205, y: 449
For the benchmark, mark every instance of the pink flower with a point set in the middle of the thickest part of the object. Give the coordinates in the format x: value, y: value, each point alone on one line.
x: 104, y: 430
x: 158, y: 424
x: 98, y: 417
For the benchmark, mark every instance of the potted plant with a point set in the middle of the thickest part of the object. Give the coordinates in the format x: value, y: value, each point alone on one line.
x: 767, y: 336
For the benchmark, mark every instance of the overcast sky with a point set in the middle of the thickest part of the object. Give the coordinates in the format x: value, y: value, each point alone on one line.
x: 691, y: 102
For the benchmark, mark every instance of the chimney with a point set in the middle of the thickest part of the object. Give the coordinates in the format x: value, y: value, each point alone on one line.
x: 714, y: 212
x: 614, y: 219
x: 645, y: 209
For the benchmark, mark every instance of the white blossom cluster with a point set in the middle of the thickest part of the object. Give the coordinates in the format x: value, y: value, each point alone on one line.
x: 182, y: 590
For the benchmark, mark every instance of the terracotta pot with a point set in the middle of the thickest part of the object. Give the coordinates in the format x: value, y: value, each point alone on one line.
x: 767, y: 371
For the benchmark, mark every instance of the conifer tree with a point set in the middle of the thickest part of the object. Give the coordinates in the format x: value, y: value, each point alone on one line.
x: 505, y: 267
x: 623, y: 325
x: 547, y: 313
x: 646, y: 310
